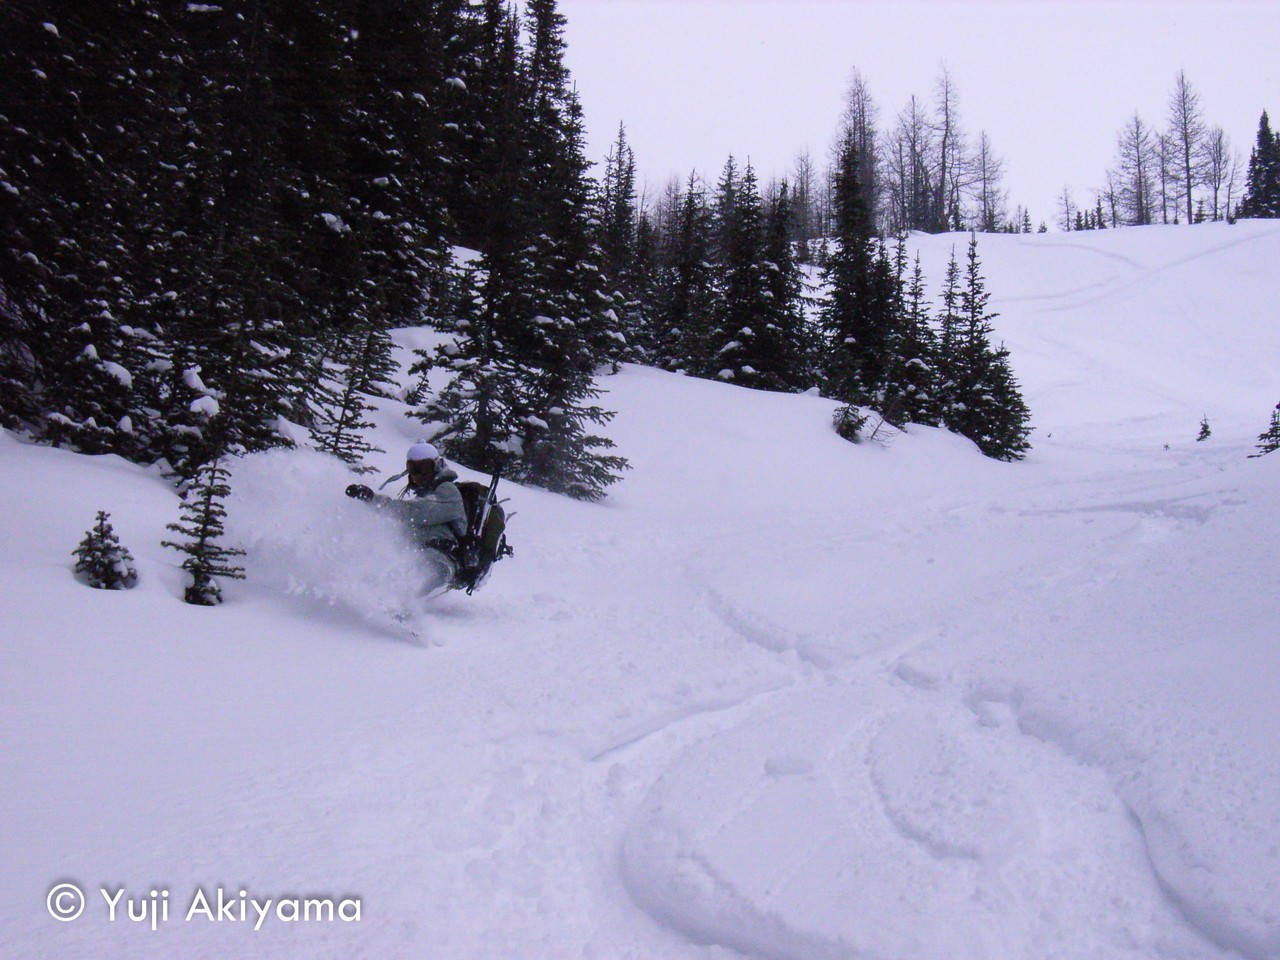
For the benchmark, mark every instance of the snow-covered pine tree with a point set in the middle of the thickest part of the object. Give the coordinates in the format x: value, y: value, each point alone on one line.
x: 724, y: 214
x: 77, y: 105
x: 521, y: 388
x: 785, y: 350
x: 686, y: 292
x: 201, y: 524
x: 857, y: 316
x: 981, y: 397
x: 911, y: 388
x: 362, y: 368
x: 1262, y: 186
x: 646, y: 269
x: 1269, y: 439
x: 743, y: 303
x: 473, y: 415
x: 849, y: 421
x: 1008, y: 429
x: 618, y: 231
x: 475, y: 418
x: 948, y: 366
x: 101, y: 561
x: 563, y: 327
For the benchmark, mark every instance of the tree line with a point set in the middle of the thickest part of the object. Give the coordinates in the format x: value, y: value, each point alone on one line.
x: 922, y: 171
x: 1187, y: 171
x: 710, y: 284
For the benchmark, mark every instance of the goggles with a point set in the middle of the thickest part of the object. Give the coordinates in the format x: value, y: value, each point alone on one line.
x: 421, y: 468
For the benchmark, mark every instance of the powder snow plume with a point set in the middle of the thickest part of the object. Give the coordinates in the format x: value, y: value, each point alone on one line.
x: 305, y: 538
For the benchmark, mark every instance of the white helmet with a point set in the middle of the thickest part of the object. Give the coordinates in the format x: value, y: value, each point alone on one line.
x: 422, y: 450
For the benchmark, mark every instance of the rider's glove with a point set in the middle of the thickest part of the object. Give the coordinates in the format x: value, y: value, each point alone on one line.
x: 358, y: 491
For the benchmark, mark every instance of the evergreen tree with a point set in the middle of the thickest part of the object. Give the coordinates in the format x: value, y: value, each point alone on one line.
x: 619, y: 229
x: 1269, y: 439
x: 726, y: 212
x: 783, y: 339
x: 981, y: 397
x: 950, y: 371
x: 848, y: 421
x: 857, y: 316
x: 911, y: 389
x: 202, y: 516
x: 101, y: 561
x: 741, y: 286
x: 74, y: 105
x: 1262, y: 186
x: 568, y: 331
x: 527, y: 359
x: 686, y: 295
x: 475, y: 417
x: 645, y: 289
x: 1007, y: 433
x: 485, y: 191
x: 362, y: 368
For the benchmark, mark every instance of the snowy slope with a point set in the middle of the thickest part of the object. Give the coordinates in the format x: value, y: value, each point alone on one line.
x: 780, y: 696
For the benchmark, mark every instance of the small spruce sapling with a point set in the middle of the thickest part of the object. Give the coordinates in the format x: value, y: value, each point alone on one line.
x: 849, y: 421
x: 202, y: 516
x: 1269, y: 439
x: 1205, y: 433
x: 101, y: 561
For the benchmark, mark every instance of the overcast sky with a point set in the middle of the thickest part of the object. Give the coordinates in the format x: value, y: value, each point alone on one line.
x: 1051, y: 82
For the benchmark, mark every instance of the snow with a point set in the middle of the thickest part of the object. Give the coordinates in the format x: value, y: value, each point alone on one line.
x: 335, y: 223
x: 205, y: 406
x: 118, y: 372
x: 779, y: 696
x: 191, y: 377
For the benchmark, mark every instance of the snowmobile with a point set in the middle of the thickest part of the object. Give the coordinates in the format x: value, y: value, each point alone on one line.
x: 460, y: 561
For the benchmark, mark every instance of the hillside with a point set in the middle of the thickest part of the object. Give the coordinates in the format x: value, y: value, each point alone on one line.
x: 779, y: 696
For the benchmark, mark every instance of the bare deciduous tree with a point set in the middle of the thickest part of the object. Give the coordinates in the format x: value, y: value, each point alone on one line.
x: 1187, y: 130
x: 909, y: 183
x: 1135, y: 176
x: 1067, y: 208
x: 950, y: 161
x: 859, y: 121
x: 1219, y: 162
x: 989, y: 195
x: 1166, y: 157
x: 804, y: 202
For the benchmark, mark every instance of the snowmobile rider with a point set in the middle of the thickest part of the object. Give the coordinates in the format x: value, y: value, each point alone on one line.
x: 430, y: 505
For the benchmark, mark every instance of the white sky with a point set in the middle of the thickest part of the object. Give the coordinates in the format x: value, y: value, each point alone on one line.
x: 1051, y: 82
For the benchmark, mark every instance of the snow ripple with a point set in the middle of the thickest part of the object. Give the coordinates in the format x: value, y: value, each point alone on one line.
x: 846, y: 819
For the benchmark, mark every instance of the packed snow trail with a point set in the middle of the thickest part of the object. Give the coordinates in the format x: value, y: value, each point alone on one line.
x: 779, y: 696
